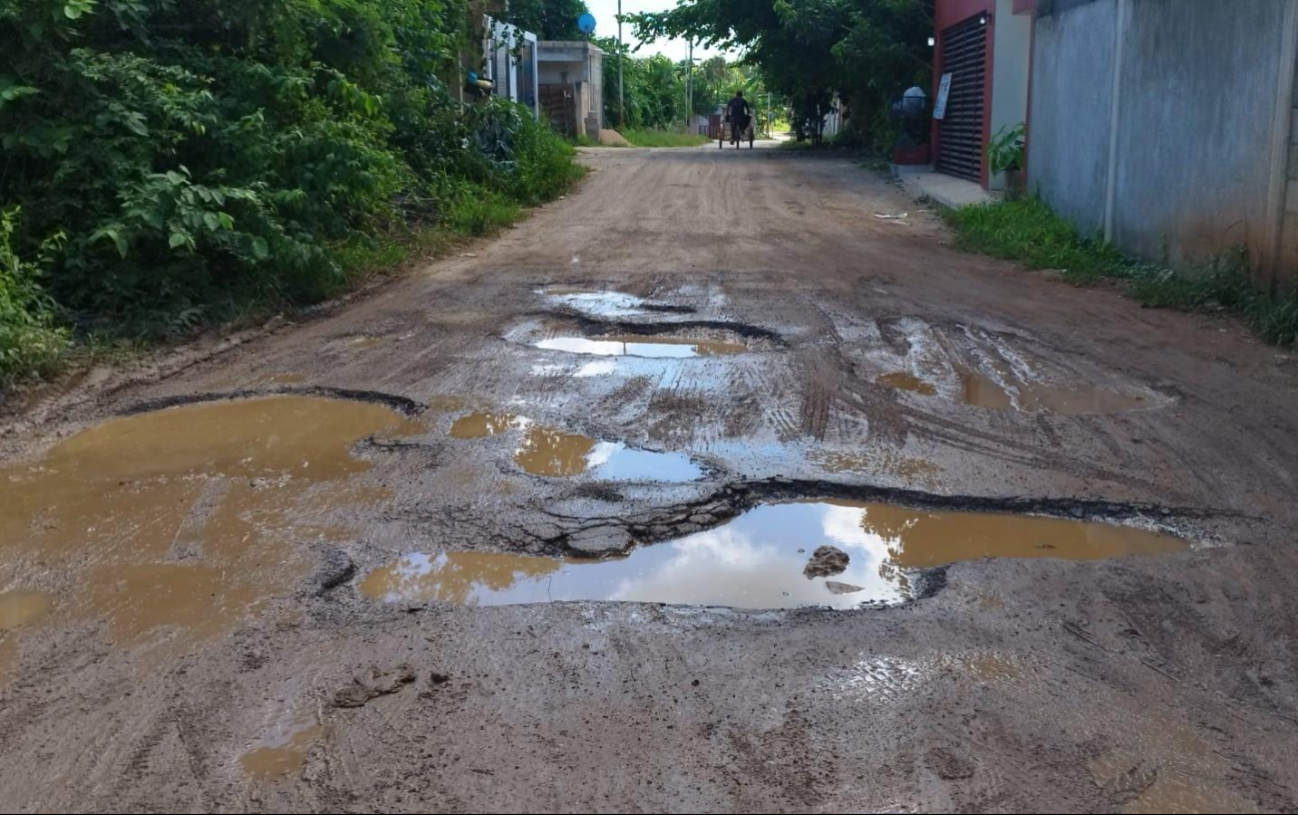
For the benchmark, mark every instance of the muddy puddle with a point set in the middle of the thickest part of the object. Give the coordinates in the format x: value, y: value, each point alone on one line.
x: 908, y: 382
x: 760, y: 559
x: 984, y: 391
x: 642, y: 346
x: 546, y: 451
x: 189, y: 519
x: 1008, y: 392
x: 284, y: 749
x: 20, y: 608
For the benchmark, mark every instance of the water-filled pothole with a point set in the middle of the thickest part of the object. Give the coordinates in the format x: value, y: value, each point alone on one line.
x: 596, y: 303
x: 546, y: 451
x: 1008, y: 392
x: 283, y: 751
x: 984, y: 391
x: 187, y: 518
x: 759, y: 560
x: 642, y: 346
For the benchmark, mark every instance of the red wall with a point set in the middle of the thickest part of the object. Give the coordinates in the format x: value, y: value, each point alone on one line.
x: 950, y: 12
x: 946, y: 14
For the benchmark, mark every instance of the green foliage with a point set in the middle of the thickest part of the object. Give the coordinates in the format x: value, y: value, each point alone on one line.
x: 547, y: 19
x: 653, y: 87
x: 1005, y: 152
x: 809, y: 51
x: 640, y: 137
x: 30, y: 341
x: 197, y: 155
x: 1027, y: 231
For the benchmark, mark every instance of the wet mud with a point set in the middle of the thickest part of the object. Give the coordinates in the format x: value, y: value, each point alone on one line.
x: 1069, y: 580
x: 184, y: 520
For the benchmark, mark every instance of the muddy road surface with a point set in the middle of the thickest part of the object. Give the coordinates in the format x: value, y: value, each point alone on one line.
x: 704, y: 489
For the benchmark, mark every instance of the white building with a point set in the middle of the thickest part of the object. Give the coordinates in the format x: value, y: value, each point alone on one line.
x: 511, y: 63
x: 572, y: 85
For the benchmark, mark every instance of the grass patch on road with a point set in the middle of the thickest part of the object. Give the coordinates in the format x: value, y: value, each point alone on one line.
x: 644, y: 137
x: 1027, y: 231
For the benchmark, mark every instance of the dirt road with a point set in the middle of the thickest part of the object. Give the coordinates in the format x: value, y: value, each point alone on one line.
x: 333, y: 592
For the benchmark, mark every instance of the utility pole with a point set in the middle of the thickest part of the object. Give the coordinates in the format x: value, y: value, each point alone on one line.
x: 621, y: 98
x: 689, y: 89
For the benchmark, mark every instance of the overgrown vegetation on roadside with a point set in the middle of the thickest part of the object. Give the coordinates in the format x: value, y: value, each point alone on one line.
x: 167, y: 163
x: 644, y: 137
x: 1029, y: 232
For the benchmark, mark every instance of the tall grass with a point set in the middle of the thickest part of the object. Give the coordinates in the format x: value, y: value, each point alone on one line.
x: 643, y: 137
x: 1029, y: 232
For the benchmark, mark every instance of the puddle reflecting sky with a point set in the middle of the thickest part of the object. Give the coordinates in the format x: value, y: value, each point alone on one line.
x: 549, y: 452
x: 598, y: 303
x: 756, y: 561
x: 636, y: 346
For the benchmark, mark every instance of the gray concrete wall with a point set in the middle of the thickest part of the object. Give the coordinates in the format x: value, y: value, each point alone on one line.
x: 1072, y: 100
x: 1010, y: 56
x: 1165, y: 123
x: 1197, y: 112
x: 1287, y: 263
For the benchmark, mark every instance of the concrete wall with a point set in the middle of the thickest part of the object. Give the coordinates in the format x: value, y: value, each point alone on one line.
x: 1011, y: 53
x: 1286, y: 266
x: 1197, y: 111
x: 1072, y: 101
x: 1163, y: 122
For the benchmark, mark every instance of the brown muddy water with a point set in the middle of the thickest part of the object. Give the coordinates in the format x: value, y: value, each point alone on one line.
x: 283, y: 751
x: 756, y: 561
x: 1009, y: 392
x: 20, y: 608
x: 546, y: 451
x: 184, y: 519
x: 908, y: 382
x: 642, y: 346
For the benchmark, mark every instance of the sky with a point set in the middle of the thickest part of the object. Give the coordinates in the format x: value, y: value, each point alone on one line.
x: 605, y: 12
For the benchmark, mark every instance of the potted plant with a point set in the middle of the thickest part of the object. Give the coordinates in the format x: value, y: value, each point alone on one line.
x: 1005, y: 155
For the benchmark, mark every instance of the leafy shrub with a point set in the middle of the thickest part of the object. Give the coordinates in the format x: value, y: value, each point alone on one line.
x: 197, y: 156
x: 30, y: 343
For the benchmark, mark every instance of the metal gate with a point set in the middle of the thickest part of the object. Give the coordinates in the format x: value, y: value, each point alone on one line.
x: 960, y: 134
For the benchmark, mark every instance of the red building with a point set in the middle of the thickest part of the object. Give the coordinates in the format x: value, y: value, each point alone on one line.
x: 983, y: 52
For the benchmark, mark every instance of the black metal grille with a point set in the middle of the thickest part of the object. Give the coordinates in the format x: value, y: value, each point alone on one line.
x: 960, y: 134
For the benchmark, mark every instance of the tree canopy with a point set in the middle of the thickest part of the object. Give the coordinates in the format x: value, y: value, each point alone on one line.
x: 865, y: 51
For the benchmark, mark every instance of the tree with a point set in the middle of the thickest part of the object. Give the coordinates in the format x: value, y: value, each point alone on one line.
x: 547, y: 19
x: 864, y: 51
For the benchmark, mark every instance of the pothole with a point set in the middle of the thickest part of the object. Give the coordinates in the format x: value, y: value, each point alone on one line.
x: 1009, y: 392
x: 1013, y: 393
x: 595, y: 302
x: 760, y: 560
x: 642, y: 346
x: 999, y: 371
x: 283, y: 750
x: 187, y: 518
x: 546, y: 451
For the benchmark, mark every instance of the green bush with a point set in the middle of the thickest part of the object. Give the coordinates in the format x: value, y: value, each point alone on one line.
x: 202, y: 155
x: 1027, y: 231
x: 30, y: 342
